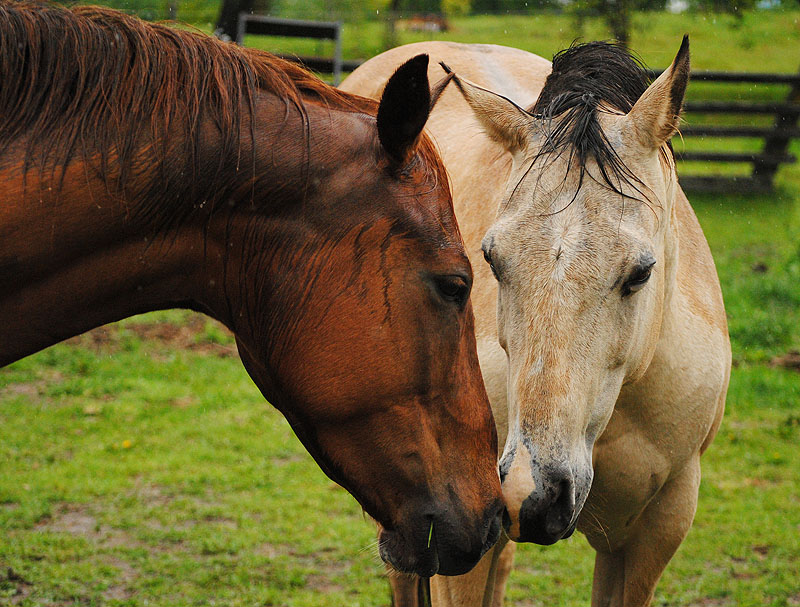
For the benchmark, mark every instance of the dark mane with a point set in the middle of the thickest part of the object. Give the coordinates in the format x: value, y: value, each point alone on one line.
x: 585, y: 76
x: 102, y: 85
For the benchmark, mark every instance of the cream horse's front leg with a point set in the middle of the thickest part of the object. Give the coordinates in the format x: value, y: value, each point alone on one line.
x: 628, y: 576
x: 484, y: 586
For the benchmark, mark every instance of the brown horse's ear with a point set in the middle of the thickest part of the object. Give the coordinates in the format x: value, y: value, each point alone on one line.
x: 501, y: 118
x: 655, y: 117
x: 404, y: 109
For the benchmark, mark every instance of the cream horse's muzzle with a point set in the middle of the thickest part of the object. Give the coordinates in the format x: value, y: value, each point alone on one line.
x: 543, y: 500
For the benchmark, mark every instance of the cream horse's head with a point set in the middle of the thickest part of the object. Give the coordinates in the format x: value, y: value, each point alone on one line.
x: 581, y: 251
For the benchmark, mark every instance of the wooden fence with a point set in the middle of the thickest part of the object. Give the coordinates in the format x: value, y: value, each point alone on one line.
x: 326, y: 30
x: 702, y: 121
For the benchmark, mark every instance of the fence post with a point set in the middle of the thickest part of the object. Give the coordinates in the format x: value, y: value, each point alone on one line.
x: 776, y: 144
x: 241, y: 28
x: 337, y: 56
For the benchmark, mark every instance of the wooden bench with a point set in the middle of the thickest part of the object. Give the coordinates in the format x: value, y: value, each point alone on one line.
x: 776, y: 136
x: 260, y: 25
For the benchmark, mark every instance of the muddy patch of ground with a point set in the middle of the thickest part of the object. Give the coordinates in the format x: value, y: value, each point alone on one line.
x: 790, y: 360
x: 13, y: 586
x: 73, y: 520
x: 712, y: 602
x: 33, y: 389
x: 150, y: 495
x: 122, y: 589
x: 190, y: 335
x: 77, y: 520
x: 326, y: 574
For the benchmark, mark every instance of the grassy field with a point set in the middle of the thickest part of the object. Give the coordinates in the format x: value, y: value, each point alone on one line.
x: 140, y: 466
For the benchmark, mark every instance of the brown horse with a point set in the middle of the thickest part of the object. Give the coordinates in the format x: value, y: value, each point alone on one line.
x: 146, y: 168
x: 602, y: 335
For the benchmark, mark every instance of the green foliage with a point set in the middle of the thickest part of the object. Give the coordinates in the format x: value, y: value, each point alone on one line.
x: 200, y: 12
x: 734, y: 7
x: 456, y: 8
x: 759, y: 265
x: 336, y: 10
x: 510, y: 6
x: 418, y: 6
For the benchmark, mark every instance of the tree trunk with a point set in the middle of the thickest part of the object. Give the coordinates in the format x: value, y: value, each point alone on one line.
x: 390, y: 32
x: 229, y: 18
x: 617, y: 14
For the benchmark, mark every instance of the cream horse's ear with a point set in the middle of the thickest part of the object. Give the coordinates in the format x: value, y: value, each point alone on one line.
x: 655, y: 117
x: 502, y: 119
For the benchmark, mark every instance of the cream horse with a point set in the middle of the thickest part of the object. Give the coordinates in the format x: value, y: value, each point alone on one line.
x: 603, y: 340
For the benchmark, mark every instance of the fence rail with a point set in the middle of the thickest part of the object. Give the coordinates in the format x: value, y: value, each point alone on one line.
x: 776, y: 137
x: 260, y: 25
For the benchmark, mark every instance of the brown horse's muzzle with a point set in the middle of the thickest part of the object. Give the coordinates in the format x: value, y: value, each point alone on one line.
x: 437, y: 538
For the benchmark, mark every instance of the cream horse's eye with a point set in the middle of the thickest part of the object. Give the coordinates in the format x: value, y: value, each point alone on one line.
x: 638, y: 278
x: 487, y: 256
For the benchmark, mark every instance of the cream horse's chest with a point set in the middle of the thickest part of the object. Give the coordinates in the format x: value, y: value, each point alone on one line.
x: 661, y: 422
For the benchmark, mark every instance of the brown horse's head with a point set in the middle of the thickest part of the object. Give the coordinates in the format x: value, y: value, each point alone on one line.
x: 168, y: 169
x: 355, y: 322
x: 580, y: 250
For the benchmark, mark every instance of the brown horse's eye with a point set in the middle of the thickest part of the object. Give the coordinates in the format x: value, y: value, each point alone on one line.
x: 453, y: 288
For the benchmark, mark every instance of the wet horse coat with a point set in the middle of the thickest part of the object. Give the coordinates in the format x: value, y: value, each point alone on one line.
x: 606, y: 357
x: 145, y: 167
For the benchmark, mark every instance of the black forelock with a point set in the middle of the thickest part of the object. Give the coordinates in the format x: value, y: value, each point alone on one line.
x: 603, y: 70
x: 584, y: 76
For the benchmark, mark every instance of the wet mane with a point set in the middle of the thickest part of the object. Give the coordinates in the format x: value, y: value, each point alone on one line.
x: 105, y: 86
x: 587, y: 79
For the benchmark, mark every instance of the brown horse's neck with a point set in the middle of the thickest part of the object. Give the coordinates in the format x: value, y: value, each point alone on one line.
x: 70, y: 261
x: 74, y: 257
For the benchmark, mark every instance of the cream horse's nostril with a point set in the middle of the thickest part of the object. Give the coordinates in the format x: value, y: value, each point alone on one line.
x: 560, y: 515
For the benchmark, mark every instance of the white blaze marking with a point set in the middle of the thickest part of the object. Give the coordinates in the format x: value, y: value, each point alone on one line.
x: 518, y: 485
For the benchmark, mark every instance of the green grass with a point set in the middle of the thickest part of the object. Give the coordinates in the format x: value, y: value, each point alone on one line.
x: 137, y: 470
x: 140, y: 466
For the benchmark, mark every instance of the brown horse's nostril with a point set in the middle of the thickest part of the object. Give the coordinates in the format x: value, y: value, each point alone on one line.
x: 460, y: 546
x: 506, y: 520
x: 496, y: 515
x: 496, y: 510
